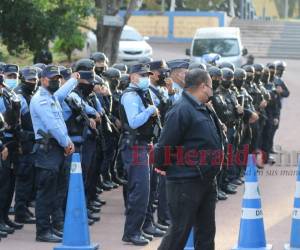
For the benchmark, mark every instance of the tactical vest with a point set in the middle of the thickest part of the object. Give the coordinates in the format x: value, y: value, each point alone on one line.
x: 26, y: 118
x: 144, y: 132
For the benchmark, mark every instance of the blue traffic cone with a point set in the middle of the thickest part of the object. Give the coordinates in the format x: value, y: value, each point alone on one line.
x: 190, y: 242
x: 76, y: 230
x: 295, y: 231
x: 252, y: 232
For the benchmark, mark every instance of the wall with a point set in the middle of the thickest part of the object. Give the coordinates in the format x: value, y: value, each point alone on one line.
x: 179, y: 26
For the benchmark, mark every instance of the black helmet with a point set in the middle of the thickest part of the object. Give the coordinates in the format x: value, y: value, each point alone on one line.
x: 120, y: 66
x: 214, y: 71
x: 227, y: 77
x: 250, y: 73
x: 124, y: 81
x: 227, y: 65
x: 99, y: 80
x: 258, y: 67
x: 99, y: 57
x: 239, y: 77
x: 41, y: 66
x: 84, y: 65
x: 271, y: 66
x: 112, y: 73
x: 196, y: 65
x: 280, y: 65
x: 240, y: 73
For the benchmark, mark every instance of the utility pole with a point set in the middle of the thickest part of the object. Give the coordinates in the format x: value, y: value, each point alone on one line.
x: 162, y: 5
x: 242, y: 9
x: 173, y: 5
x: 286, y: 9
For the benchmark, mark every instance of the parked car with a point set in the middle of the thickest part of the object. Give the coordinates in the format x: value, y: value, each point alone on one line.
x: 133, y: 46
x: 225, y: 41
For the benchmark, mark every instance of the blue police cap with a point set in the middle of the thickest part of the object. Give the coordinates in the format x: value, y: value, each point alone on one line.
x: 29, y: 73
x: 11, y: 69
x: 140, y: 69
x: 51, y: 71
x: 87, y: 75
x: 178, y: 64
x: 159, y: 65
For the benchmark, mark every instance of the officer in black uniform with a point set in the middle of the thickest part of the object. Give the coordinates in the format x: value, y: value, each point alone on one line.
x: 272, y: 113
x: 121, y: 66
x: 229, y: 111
x: 25, y: 170
x: 110, y: 173
x: 101, y: 62
x: 191, y: 184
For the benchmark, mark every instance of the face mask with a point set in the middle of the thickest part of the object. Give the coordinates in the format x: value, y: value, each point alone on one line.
x: 249, y: 79
x: 28, y: 87
x: 238, y: 83
x: 53, y: 86
x: 256, y: 78
x: 215, y: 84
x: 11, y: 83
x: 114, y: 83
x: 99, y: 70
x: 86, y: 89
x: 265, y: 78
x: 144, y: 83
x: 279, y: 73
x: 226, y: 84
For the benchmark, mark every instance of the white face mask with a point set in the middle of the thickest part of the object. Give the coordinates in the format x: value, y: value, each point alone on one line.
x: 11, y: 83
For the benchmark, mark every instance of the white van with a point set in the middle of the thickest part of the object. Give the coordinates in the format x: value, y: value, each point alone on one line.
x: 225, y: 41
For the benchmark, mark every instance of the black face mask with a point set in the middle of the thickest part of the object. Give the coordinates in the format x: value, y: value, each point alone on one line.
x: 279, y: 72
x: 226, y: 84
x: 28, y: 88
x: 99, y: 70
x: 114, y: 84
x: 215, y: 84
x: 265, y: 78
x: 249, y: 79
x: 161, y: 80
x: 53, y: 86
x: 86, y: 89
x: 238, y: 83
x: 257, y: 78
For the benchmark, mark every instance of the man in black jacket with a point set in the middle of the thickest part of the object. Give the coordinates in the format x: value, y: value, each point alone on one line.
x: 190, y: 150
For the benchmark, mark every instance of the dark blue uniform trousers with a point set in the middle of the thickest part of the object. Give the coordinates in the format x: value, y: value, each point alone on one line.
x: 25, y: 175
x: 136, y: 165
x: 51, y: 185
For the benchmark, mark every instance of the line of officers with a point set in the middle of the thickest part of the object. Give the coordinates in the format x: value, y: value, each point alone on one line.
x: 103, y: 113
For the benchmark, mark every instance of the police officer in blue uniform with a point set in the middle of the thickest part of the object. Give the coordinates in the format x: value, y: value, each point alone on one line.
x: 7, y: 178
x: 138, y: 119
x: 10, y: 106
x: 52, y: 145
x: 81, y: 118
x: 24, y: 170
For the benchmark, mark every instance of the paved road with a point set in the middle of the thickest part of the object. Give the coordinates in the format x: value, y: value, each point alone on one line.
x: 276, y: 187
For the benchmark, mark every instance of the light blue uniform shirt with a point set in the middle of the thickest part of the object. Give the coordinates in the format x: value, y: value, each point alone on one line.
x: 67, y: 112
x: 137, y: 114
x: 46, y: 112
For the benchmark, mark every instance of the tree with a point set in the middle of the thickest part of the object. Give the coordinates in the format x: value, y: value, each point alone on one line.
x: 69, y: 43
x: 33, y: 24
x: 108, y: 37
